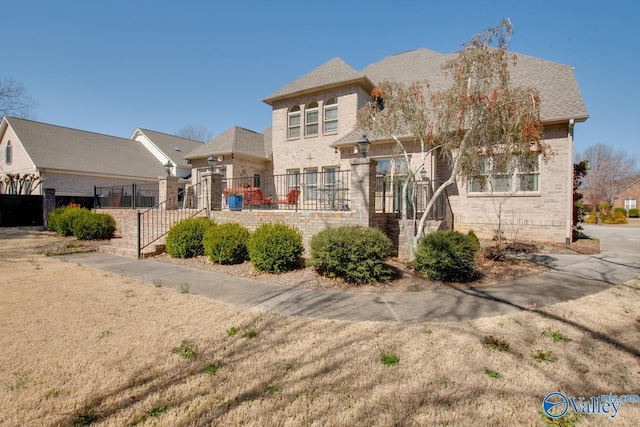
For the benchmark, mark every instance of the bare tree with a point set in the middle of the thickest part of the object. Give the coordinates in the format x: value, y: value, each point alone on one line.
x: 15, y: 99
x: 609, y: 172
x: 195, y: 133
x: 480, y: 115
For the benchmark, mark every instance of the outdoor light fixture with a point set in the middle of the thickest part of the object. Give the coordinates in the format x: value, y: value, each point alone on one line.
x: 167, y: 167
x: 423, y: 174
x: 211, y: 161
x: 363, y: 145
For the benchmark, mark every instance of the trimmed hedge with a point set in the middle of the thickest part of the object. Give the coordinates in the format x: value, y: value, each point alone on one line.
x: 94, y: 226
x: 275, y: 247
x: 447, y: 256
x: 184, y: 239
x: 226, y: 243
x: 634, y: 213
x: 355, y: 253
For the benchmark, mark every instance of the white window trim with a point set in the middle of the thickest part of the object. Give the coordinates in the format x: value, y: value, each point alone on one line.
x: 290, y: 114
x: 514, y: 183
x: 326, y: 107
x: 307, y: 123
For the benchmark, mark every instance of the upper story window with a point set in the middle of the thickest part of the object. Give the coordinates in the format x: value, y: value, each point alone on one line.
x: 311, y: 119
x: 522, y: 175
x: 330, y: 115
x: 8, y: 153
x: 293, y: 122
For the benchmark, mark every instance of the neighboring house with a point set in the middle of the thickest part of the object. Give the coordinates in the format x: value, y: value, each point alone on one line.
x: 629, y: 197
x: 166, y: 148
x: 73, y: 161
x: 239, y: 153
x: 313, y: 131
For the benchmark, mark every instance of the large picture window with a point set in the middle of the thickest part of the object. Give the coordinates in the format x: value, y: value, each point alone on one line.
x: 330, y: 115
x: 293, y: 122
x: 522, y: 175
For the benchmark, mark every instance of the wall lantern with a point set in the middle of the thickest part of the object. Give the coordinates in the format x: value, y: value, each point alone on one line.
x: 423, y: 174
x: 211, y: 161
x: 167, y: 167
x: 363, y: 146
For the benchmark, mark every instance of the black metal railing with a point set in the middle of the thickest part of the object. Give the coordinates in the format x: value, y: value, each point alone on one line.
x: 126, y: 196
x: 155, y: 222
x: 327, y: 190
x: 419, y: 192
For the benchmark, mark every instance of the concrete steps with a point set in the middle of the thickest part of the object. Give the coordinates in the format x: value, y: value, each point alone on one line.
x: 128, y: 248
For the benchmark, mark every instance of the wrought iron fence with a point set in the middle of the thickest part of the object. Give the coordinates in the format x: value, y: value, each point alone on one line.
x: 126, y: 196
x: 419, y: 192
x: 155, y: 222
x: 311, y: 190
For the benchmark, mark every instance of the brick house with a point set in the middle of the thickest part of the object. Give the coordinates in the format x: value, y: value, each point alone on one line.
x: 73, y: 161
x: 312, y: 138
x: 629, y: 197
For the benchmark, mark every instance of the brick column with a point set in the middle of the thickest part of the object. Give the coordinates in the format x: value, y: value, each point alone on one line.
x: 168, y: 191
x: 363, y: 190
x: 214, y: 188
x: 48, y: 203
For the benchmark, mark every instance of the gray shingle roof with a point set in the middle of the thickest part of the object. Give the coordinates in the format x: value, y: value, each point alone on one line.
x: 56, y: 147
x: 331, y: 73
x: 236, y: 140
x: 172, y: 146
x: 559, y: 92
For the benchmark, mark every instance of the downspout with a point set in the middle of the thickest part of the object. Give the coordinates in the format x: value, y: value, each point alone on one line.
x: 569, y: 227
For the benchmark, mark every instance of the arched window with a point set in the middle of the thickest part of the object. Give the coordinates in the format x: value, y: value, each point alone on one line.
x: 330, y: 124
x: 294, y: 122
x: 311, y: 119
x: 8, y: 153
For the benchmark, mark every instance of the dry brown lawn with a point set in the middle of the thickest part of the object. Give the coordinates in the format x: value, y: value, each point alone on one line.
x: 79, y: 346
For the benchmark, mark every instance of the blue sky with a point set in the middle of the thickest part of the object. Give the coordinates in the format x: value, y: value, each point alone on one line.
x: 110, y: 67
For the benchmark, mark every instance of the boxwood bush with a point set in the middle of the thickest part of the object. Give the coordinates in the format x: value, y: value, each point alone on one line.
x: 275, y: 247
x: 226, y: 243
x: 62, y: 219
x: 94, y: 226
x: 447, y: 256
x: 184, y: 239
x: 355, y: 253
x: 634, y: 213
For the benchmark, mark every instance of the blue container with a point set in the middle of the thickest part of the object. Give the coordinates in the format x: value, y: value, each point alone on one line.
x: 235, y: 202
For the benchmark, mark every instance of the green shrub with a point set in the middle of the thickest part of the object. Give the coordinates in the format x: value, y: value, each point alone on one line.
x: 184, y: 239
x: 226, y: 243
x: 94, y: 226
x: 275, y: 247
x: 447, y: 256
x: 634, y: 213
x: 623, y: 211
x: 614, y: 218
x: 354, y: 252
x: 591, y: 218
x: 62, y: 219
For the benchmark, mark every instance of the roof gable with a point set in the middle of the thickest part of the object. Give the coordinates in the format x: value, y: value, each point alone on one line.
x: 61, y: 148
x: 331, y: 73
x: 174, y: 147
x: 234, y: 140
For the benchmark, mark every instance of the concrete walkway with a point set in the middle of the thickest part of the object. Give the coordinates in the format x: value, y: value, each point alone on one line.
x: 570, y: 277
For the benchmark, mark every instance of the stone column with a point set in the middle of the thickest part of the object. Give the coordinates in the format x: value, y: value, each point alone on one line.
x: 363, y: 190
x: 214, y: 187
x: 168, y: 191
x: 48, y: 203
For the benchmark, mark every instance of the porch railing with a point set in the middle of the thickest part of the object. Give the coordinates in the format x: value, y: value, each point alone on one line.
x: 419, y: 192
x: 155, y: 222
x: 327, y: 190
x: 126, y: 196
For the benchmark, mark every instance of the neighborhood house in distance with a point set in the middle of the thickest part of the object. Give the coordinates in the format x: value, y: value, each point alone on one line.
x: 312, y: 140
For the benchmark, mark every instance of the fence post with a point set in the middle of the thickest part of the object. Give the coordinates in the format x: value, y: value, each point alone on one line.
x: 139, y: 236
x: 214, y: 179
x: 363, y: 189
x: 168, y: 191
x: 48, y: 203
x: 133, y: 195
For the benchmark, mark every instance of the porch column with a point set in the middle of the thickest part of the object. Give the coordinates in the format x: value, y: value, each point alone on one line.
x: 168, y: 191
x: 363, y: 189
x: 213, y: 182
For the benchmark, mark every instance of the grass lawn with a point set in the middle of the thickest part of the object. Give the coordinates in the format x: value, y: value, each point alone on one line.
x: 80, y: 346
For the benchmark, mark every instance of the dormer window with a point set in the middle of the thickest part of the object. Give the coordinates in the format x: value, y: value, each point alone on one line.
x: 311, y: 119
x: 293, y: 122
x: 330, y: 115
